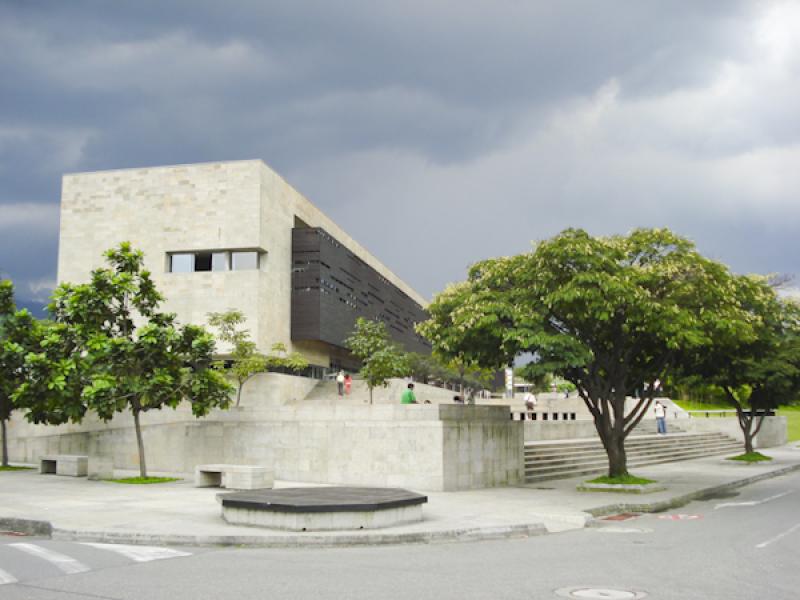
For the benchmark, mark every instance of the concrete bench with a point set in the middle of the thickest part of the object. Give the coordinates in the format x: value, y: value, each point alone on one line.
x: 233, y: 477
x: 72, y: 465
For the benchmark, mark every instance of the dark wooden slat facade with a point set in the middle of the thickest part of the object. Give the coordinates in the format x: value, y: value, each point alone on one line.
x: 332, y: 287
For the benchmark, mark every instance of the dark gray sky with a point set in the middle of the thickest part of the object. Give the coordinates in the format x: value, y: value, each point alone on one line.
x: 437, y: 132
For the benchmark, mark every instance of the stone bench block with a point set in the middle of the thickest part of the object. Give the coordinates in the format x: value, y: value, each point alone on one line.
x: 70, y: 465
x: 233, y: 477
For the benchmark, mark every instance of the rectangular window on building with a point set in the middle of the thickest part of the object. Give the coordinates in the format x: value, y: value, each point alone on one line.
x: 181, y: 263
x: 202, y: 261
x: 243, y: 261
x: 219, y: 261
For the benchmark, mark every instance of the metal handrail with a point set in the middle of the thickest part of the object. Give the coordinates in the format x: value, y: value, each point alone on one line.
x: 724, y: 412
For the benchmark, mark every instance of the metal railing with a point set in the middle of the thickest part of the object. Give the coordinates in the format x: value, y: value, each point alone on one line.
x: 732, y: 413
x: 543, y: 416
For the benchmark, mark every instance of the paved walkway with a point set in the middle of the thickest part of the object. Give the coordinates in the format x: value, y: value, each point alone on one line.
x: 178, y: 513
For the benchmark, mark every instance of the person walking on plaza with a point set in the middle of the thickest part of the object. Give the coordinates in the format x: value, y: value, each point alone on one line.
x: 340, y: 383
x: 348, y: 383
x: 408, y: 396
x: 661, y: 417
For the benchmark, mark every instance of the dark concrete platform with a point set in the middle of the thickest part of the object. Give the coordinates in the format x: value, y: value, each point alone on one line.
x: 322, y: 499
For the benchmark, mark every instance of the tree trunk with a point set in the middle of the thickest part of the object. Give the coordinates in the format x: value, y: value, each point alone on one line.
x: 748, y: 441
x: 617, y: 457
x: 747, y: 430
x: 370, y: 394
x: 5, y: 443
x: 611, y: 429
x: 239, y: 394
x: 745, y: 423
x: 140, y: 444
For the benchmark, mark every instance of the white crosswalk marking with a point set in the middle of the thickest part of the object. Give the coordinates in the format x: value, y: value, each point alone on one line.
x: 6, y: 578
x: 140, y: 553
x: 65, y: 563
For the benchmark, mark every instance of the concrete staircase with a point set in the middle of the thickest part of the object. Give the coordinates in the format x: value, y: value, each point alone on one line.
x: 571, y: 458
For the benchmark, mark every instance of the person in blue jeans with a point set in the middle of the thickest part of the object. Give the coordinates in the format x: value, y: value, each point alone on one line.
x: 661, y: 417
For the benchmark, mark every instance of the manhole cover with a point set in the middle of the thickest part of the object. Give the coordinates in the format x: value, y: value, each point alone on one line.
x: 592, y: 593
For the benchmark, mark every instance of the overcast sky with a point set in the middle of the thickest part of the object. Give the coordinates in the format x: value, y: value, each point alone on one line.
x: 436, y: 132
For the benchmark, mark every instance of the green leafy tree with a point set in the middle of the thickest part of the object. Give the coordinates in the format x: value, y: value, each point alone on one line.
x: 759, y: 370
x: 380, y: 358
x: 608, y: 314
x: 541, y: 382
x: 426, y: 368
x: 17, y: 337
x: 280, y: 359
x: 246, y: 361
x: 129, y: 355
x: 55, y: 372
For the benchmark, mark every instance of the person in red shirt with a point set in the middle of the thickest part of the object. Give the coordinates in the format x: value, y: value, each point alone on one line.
x: 348, y: 382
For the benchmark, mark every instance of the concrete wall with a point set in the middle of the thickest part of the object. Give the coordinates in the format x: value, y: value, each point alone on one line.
x: 276, y: 389
x: 545, y: 431
x: 425, y: 447
x: 482, y: 447
x: 773, y: 431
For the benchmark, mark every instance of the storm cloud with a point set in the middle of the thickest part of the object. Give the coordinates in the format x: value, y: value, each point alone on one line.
x: 436, y: 133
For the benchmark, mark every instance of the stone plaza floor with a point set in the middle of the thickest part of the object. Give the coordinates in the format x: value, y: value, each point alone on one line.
x: 179, y: 513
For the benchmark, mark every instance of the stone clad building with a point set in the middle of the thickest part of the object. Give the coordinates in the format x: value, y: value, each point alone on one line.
x: 235, y: 235
x: 218, y: 236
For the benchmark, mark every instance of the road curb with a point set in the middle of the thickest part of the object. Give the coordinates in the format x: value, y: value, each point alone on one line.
x: 678, y: 501
x: 377, y: 538
x: 26, y: 526
x: 303, y: 540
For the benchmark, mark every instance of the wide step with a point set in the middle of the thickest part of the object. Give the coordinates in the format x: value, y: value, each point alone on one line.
x: 571, y: 458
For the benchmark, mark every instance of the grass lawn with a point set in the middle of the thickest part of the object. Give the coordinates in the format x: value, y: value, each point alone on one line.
x: 623, y: 480
x: 144, y: 480
x: 692, y: 405
x: 10, y: 468
x: 751, y: 457
x: 792, y: 414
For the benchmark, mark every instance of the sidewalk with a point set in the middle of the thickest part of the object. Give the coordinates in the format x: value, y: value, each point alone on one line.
x: 178, y: 513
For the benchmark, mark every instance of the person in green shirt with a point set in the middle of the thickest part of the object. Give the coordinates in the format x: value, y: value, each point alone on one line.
x: 408, y: 396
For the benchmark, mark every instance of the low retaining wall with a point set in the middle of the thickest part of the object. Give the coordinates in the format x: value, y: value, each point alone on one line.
x: 425, y: 447
x: 773, y: 432
x: 545, y: 431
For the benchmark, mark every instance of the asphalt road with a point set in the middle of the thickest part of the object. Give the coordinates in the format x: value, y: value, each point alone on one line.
x: 745, y: 546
